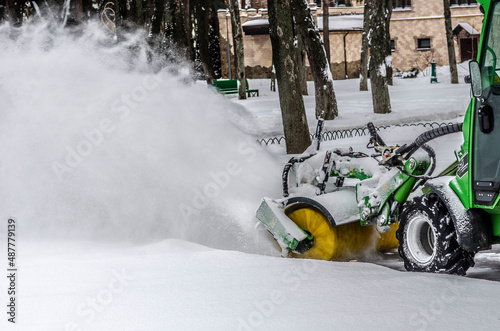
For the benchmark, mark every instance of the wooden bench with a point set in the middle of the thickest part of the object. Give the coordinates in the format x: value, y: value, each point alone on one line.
x: 230, y: 86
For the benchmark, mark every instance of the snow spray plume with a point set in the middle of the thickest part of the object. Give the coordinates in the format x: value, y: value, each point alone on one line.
x: 100, y: 141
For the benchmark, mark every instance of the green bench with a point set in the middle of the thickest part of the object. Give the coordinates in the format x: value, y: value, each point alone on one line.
x: 230, y: 86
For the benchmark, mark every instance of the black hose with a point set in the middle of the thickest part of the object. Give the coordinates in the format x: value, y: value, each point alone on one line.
x: 286, y: 170
x: 319, y: 130
x: 284, y: 177
x: 430, y: 151
x: 423, y: 178
x: 374, y: 136
x: 429, y: 135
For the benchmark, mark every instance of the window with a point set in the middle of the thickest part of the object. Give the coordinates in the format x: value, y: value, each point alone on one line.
x: 424, y: 43
x: 404, y: 4
x: 393, y: 45
x: 463, y: 2
x: 486, y: 144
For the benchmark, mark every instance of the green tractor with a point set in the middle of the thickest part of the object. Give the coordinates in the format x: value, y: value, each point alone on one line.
x: 442, y: 230
x: 338, y: 204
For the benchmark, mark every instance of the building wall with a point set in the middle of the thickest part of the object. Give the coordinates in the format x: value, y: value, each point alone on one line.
x: 424, y: 20
x: 258, y: 51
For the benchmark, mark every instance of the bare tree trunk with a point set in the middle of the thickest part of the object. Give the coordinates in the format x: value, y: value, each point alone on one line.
x: 326, y: 103
x: 285, y: 60
x: 234, y: 63
x: 326, y: 29
x: 363, y: 70
x: 79, y: 11
x: 301, y: 62
x: 214, y: 41
x: 137, y: 12
x: 380, y: 15
x: 238, y: 39
x: 15, y: 9
x: 450, y: 43
x: 202, y: 27
x: 388, y: 50
x: 3, y: 8
x: 189, y: 28
x: 175, y: 29
x: 129, y: 14
x: 157, y: 20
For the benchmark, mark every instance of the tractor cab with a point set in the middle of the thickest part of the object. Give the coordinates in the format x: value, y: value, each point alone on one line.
x: 485, y: 79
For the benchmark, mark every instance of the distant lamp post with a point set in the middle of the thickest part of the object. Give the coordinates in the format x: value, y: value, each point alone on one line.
x: 228, y: 47
x: 433, y: 72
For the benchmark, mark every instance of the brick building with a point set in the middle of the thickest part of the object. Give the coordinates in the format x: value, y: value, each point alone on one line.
x: 417, y: 34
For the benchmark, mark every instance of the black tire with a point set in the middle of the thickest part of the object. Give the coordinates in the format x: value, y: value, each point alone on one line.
x: 427, y: 238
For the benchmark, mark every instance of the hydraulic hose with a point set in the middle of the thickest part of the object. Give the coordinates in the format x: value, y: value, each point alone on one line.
x: 284, y: 177
x: 319, y: 130
x: 286, y: 170
x: 374, y: 136
x: 430, y: 151
x: 429, y: 135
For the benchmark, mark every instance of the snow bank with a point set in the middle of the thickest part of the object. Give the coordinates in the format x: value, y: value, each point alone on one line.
x: 175, y: 285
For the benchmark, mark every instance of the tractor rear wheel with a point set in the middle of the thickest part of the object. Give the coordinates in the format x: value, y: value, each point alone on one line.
x: 427, y: 238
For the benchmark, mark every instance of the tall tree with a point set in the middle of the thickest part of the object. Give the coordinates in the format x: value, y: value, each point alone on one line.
x: 293, y: 112
x: 175, y: 31
x: 301, y: 62
x: 388, y: 50
x: 202, y: 16
x: 84, y: 10
x: 235, y: 50
x: 15, y: 9
x: 380, y: 16
x: 450, y: 43
x: 214, y: 41
x: 157, y: 20
x: 3, y: 7
x: 363, y: 70
x: 129, y: 14
x: 137, y: 12
x: 79, y: 10
x: 326, y: 103
x: 326, y: 29
x: 188, y: 27
x: 238, y: 40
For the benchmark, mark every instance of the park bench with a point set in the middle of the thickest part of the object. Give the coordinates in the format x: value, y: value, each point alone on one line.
x: 230, y: 86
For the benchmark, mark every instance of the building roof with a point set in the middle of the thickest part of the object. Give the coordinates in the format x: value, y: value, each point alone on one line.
x: 467, y: 27
x: 342, y: 23
x: 336, y: 23
x: 257, y: 26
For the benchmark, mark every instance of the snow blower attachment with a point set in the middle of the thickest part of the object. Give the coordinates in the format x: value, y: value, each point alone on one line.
x: 339, y: 204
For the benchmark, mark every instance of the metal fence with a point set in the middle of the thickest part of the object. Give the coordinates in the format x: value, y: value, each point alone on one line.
x: 349, y: 133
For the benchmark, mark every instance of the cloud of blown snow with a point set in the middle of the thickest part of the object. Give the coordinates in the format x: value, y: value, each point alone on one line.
x: 101, y: 140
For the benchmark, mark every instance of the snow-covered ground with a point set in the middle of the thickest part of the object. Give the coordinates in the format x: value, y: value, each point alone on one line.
x: 134, y: 194
x: 412, y: 100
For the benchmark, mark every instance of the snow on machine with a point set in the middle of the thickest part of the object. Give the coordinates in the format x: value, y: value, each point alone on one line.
x: 338, y: 203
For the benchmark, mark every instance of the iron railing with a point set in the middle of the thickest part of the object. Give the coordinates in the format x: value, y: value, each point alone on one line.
x: 349, y: 133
